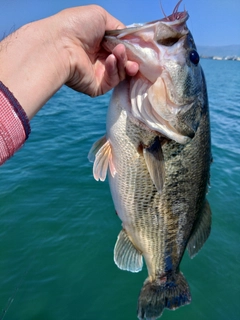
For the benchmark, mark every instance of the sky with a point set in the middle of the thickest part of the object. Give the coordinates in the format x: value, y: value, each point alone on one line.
x: 212, y: 22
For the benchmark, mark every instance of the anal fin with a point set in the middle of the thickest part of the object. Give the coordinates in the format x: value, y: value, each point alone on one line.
x: 201, y: 231
x: 126, y: 256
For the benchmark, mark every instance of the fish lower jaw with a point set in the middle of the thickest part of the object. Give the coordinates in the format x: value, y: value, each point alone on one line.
x: 141, y: 112
x: 159, y: 129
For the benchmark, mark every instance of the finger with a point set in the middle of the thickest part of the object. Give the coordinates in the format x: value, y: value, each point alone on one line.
x: 116, y: 67
x: 124, y: 65
x: 132, y: 68
x: 120, y: 53
x: 111, y: 76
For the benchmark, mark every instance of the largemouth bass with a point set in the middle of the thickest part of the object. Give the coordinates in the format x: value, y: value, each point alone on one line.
x: 158, y: 154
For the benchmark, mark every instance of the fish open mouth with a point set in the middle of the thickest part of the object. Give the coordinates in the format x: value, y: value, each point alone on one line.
x: 153, y: 98
x: 142, y: 41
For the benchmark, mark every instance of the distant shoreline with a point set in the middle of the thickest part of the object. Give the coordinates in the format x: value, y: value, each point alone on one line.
x: 231, y: 52
x: 232, y: 58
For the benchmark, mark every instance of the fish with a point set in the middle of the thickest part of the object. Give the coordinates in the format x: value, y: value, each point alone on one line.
x: 157, y: 155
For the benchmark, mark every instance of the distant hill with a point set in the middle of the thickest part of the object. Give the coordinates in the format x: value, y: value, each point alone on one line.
x: 221, y: 51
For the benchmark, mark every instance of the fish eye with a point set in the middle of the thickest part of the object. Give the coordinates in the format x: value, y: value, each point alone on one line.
x: 194, y: 57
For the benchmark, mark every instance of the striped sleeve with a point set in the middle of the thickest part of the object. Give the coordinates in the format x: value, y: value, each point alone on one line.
x: 14, y: 124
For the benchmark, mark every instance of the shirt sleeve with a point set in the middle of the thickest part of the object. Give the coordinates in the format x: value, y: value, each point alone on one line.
x: 14, y: 124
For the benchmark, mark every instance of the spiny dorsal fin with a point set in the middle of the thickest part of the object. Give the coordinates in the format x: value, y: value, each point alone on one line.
x: 153, y: 156
x: 126, y: 256
x: 201, y: 231
x: 101, y: 154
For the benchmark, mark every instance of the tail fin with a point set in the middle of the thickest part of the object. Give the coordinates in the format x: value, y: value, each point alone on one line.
x: 155, y: 296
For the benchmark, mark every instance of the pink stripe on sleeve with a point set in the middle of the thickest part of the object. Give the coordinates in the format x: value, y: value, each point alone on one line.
x: 14, y: 124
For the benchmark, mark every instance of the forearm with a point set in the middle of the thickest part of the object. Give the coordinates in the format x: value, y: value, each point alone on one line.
x: 31, y: 64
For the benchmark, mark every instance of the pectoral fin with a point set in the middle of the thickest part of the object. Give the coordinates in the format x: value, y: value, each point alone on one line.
x: 126, y: 256
x: 155, y: 163
x: 101, y: 155
x: 201, y: 231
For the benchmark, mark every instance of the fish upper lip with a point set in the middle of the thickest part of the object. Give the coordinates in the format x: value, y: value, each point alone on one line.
x: 119, y: 33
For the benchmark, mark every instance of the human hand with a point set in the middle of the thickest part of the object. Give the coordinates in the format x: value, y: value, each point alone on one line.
x: 92, y: 69
x: 40, y: 57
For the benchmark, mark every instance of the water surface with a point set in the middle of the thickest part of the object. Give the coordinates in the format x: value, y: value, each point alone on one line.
x: 58, y: 225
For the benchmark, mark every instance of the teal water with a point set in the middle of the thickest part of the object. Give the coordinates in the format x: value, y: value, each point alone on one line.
x: 58, y: 225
